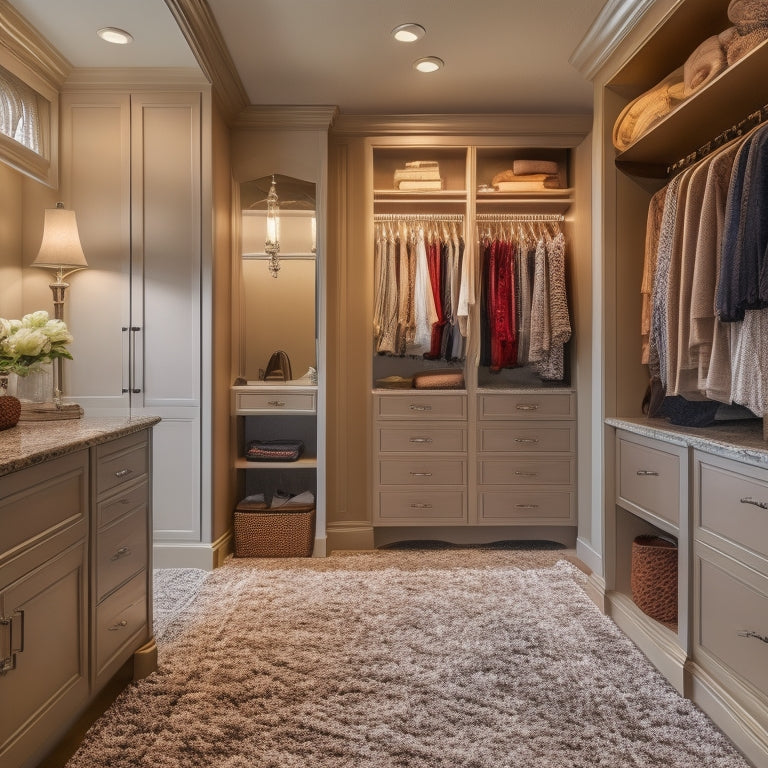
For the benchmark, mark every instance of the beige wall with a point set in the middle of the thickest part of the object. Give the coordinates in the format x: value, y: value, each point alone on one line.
x: 10, y: 242
x: 224, y: 480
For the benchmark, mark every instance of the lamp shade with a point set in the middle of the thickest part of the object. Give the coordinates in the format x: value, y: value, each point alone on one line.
x: 60, y: 246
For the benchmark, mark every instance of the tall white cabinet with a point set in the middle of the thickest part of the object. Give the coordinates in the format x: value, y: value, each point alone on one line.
x: 133, y: 171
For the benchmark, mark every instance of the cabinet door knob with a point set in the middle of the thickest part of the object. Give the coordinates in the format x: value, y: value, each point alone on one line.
x: 419, y: 439
x: 750, y: 633
x: 526, y: 440
x: 11, y: 640
x: 647, y: 473
x: 750, y: 500
x: 421, y: 474
x: 276, y: 403
x: 118, y: 626
x: 527, y: 506
x: 421, y: 506
x: 415, y: 407
x: 122, y: 552
x: 526, y: 474
x: 527, y: 407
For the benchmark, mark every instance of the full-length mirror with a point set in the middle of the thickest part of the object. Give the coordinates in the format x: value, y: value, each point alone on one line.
x: 278, y: 267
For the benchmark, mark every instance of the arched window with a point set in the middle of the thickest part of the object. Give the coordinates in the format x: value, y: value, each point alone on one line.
x: 20, y: 117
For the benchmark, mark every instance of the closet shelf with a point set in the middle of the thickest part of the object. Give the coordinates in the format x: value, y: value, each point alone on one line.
x: 406, y: 194
x: 725, y: 101
x: 305, y: 462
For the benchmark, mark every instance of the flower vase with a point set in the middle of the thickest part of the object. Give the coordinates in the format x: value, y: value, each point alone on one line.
x: 37, y: 385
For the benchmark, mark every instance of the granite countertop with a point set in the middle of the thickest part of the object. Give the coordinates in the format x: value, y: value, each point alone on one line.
x: 742, y: 441
x: 33, y: 442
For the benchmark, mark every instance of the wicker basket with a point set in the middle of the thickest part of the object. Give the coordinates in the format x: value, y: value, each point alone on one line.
x: 654, y: 577
x: 281, y: 532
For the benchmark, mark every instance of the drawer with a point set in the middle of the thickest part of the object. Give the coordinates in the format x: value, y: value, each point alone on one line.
x: 422, y: 439
x: 422, y: 507
x: 121, y: 461
x: 514, y: 471
x: 40, y: 501
x: 119, y: 620
x: 527, y: 405
x: 275, y: 402
x: 649, y: 479
x: 128, y: 501
x: 545, y: 437
x: 523, y: 506
x: 418, y: 406
x: 732, y: 608
x: 121, y: 551
x: 426, y: 471
x: 731, y: 504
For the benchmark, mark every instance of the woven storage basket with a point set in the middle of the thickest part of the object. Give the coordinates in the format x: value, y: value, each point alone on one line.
x: 282, y: 532
x: 654, y: 577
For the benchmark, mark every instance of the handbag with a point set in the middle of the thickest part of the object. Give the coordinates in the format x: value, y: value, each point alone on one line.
x: 274, y: 450
x: 278, y: 367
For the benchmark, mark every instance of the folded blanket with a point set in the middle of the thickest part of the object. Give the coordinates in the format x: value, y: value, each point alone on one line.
x: 747, y: 15
x: 706, y: 62
x: 647, y: 109
x: 523, y: 167
x: 511, y: 176
x: 740, y: 45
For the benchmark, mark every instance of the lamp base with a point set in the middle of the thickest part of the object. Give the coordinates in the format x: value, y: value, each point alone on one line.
x: 49, y: 411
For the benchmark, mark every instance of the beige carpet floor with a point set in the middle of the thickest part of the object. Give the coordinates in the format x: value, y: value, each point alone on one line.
x: 421, y: 659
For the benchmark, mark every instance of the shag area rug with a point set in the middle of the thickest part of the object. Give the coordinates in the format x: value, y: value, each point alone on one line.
x: 420, y: 659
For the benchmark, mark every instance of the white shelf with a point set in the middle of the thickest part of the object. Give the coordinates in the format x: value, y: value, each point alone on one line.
x: 305, y: 462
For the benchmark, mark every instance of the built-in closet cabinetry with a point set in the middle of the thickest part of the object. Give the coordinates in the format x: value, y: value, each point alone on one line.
x: 703, y: 487
x: 133, y: 171
x: 501, y: 450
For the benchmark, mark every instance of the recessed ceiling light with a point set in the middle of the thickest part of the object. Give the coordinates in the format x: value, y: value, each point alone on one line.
x: 428, y: 64
x: 408, y: 33
x: 115, y: 35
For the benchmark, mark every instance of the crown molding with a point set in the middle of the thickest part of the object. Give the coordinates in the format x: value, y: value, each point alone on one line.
x: 30, y: 48
x: 614, y: 22
x: 203, y: 35
x: 291, y: 118
x: 569, y: 129
x: 146, y: 78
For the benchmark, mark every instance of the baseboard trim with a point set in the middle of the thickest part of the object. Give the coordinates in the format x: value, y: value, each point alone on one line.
x: 595, y: 589
x: 349, y: 535
x: 145, y: 660
x: 589, y: 556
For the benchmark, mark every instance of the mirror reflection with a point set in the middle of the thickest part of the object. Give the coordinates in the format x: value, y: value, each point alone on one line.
x: 278, y: 270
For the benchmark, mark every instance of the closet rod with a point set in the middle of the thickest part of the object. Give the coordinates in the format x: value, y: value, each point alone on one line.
x: 418, y: 217
x: 737, y: 129
x: 519, y: 217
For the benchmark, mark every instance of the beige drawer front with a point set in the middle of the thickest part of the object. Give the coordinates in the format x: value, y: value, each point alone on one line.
x: 427, y: 506
x: 121, y: 551
x: 551, y: 437
x: 421, y: 406
x: 539, y: 506
x: 733, y: 505
x: 427, y: 471
x: 120, y: 618
x: 57, y: 491
x: 526, y: 472
x: 282, y: 402
x: 428, y: 438
x: 533, y: 405
x: 649, y: 478
x: 732, y: 610
x: 121, y: 461
x: 130, y: 500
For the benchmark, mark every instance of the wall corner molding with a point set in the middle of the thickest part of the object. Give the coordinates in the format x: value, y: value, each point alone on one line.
x: 30, y: 48
x: 288, y: 118
x: 204, y: 37
x: 614, y: 22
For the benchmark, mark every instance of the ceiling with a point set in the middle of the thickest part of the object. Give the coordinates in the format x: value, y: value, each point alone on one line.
x: 502, y: 56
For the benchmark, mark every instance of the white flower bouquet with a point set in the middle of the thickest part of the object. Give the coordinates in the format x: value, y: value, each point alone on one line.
x: 28, y: 344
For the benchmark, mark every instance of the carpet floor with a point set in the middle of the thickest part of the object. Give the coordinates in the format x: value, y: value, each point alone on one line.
x: 420, y: 659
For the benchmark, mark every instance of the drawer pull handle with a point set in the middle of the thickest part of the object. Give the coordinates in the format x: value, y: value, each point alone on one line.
x: 421, y: 506
x: 527, y: 506
x: 122, y: 552
x: 524, y: 407
x: 526, y: 474
x: 276, y: 403
x: 419, y: 439
x: 119, y: 625
x: 647, y: 473
x: 123, y: 472
x: 526, y: 440
x: 421, y: 474
x: 420, y: 407
x: 750, y: 500
x: 750, y: 633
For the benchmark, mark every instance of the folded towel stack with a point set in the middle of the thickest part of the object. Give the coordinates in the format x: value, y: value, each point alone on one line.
x: 528, y: 175
x: 419, y: 176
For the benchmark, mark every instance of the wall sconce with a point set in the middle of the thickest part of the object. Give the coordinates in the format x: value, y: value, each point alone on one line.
x: 60, y: 250
x: 272, y: 244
